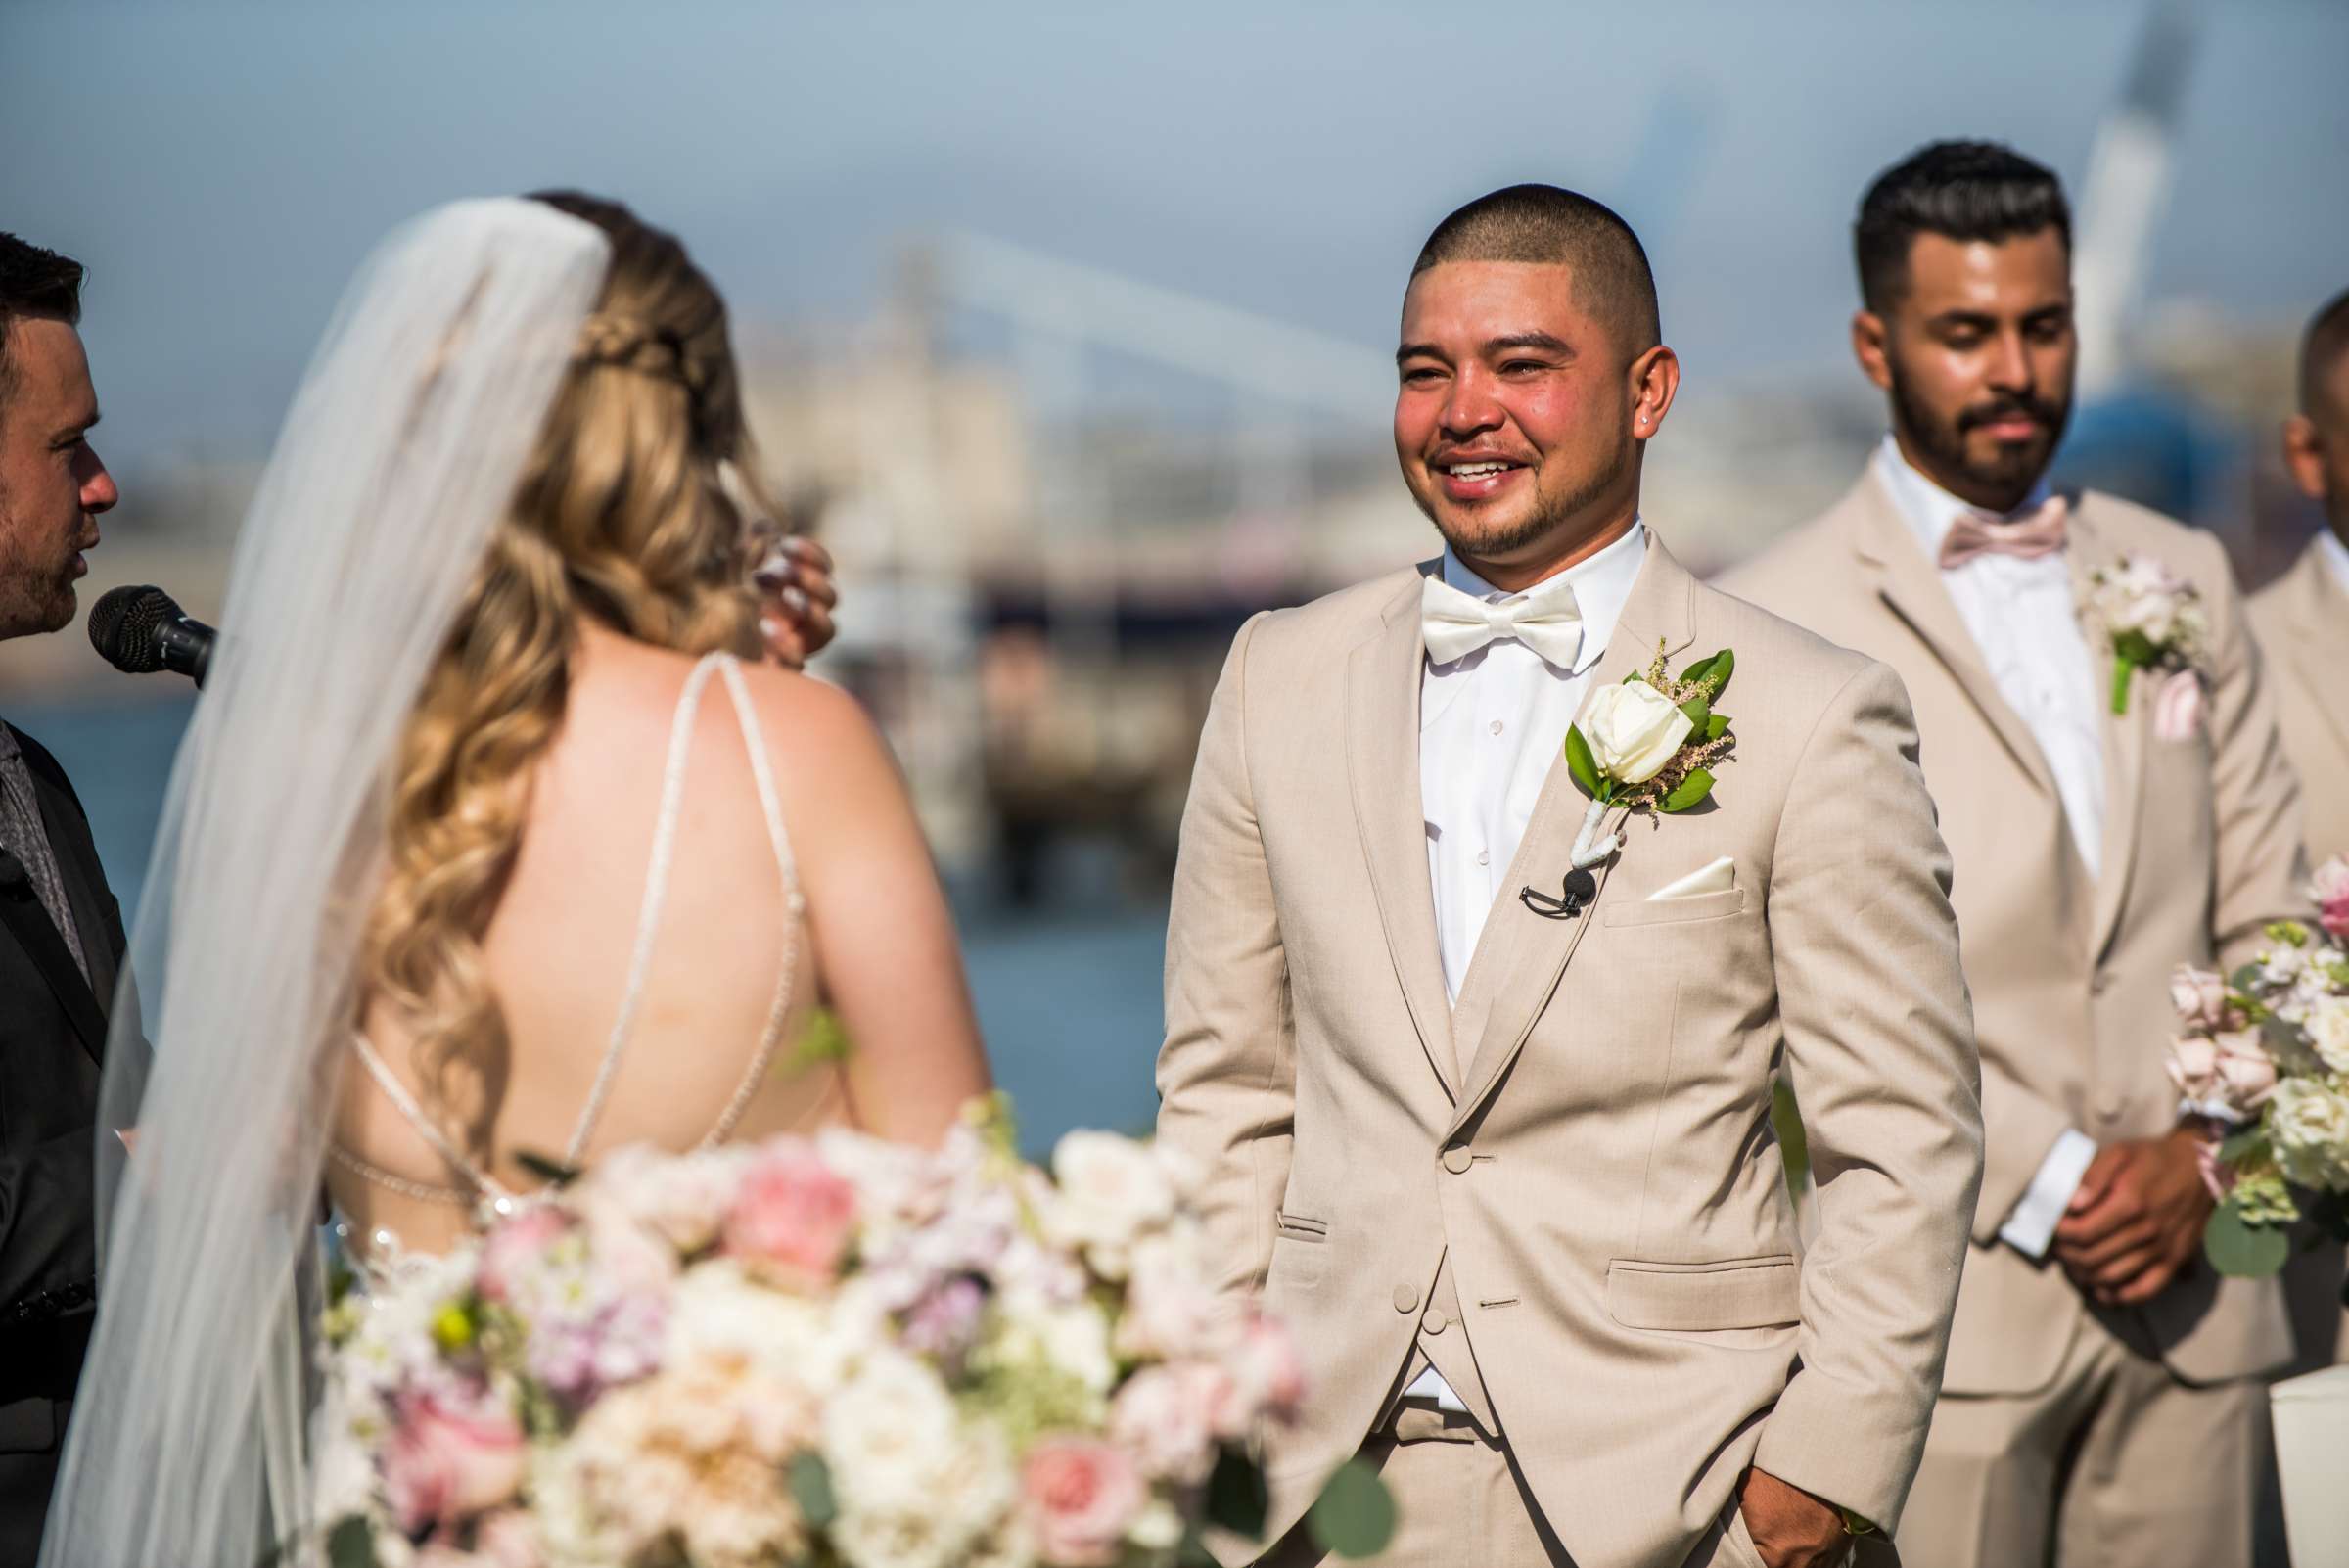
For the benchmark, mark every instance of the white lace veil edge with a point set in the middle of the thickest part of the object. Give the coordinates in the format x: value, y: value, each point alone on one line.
x: 402, y: 451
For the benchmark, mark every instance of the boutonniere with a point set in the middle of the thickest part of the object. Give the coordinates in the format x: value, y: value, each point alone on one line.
x: 2153, y: 620
x: 1652, y: 744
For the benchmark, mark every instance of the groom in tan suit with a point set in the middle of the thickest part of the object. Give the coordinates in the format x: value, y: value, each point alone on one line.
x: 2104, y: 1397
x: 1491, y: 1130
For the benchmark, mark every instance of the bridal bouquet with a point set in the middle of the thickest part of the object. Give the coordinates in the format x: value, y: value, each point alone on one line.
x: 827, y: 1351
x: 2267, y: 1053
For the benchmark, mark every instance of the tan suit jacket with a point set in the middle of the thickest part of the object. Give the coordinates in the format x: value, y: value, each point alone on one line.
x: 1586, y: 1135
x: 2302, y: 622
x: 2069, y: 976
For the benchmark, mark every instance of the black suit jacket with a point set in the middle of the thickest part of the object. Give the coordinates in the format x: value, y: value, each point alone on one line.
x: 53, y: 1030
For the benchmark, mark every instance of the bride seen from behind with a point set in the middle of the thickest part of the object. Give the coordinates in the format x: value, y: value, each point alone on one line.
x: 497, y: 967
x: 487, y: 796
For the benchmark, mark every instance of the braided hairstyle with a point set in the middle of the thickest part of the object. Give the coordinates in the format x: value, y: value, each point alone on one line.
x: 631, y: 511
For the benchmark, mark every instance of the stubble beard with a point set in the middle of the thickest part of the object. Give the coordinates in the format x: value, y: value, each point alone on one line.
x: 1545, y: 518
x: 33, y: 601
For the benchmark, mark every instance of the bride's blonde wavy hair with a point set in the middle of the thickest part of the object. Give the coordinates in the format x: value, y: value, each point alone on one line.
x: 633, y: 510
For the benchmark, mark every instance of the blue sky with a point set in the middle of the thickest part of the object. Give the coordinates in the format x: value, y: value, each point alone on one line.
x: 223, y: 166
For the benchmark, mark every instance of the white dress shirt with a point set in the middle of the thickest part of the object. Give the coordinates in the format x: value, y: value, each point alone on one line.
x: 2025, y: 621
x: 1492, y: 725
x: 2336, y: 556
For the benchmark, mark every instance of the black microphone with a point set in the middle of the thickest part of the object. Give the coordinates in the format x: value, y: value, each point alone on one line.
x: 142, y: 630
x: 1580, y: 889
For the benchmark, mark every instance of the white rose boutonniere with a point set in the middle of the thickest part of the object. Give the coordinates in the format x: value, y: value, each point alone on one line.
x: 1651, y: 744
x: 2152, y: 619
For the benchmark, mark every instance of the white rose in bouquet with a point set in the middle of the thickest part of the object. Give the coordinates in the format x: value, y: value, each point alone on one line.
x: 2326, y: 1025
x: 2309, y: 1122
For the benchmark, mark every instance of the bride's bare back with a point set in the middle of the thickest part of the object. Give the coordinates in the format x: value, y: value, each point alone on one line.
x: 706, y: 1051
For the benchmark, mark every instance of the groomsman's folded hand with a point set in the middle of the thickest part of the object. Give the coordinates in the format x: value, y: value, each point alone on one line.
x: 2136, y: 1221
x: 1791, y: 1528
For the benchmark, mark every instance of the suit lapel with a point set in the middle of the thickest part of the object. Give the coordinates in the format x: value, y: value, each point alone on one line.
x: 2317, y: 614
x: 1521, y: 954
x: 23, y: 917
x: 1382, y: 763
x: 77, y: 865
x: 1912, y: 586
x: 2124, y: 736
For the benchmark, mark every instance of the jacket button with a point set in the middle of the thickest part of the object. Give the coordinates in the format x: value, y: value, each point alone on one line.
x: 1434, y: 1322
x: 1457, y: 1159
x: 1407, y: 1297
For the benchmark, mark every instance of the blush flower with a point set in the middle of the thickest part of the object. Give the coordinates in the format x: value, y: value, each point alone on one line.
x: 792, y: 1216
x: 451, y: 1456
x: 1080, y: 1496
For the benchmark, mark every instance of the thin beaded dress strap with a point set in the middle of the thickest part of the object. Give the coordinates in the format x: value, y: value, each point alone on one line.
x: 485, y: 1184
x: 794, y: 905
x: 655, y: 895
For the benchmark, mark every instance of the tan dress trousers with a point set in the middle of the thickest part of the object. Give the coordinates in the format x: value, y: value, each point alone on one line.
x: 2114, y: 1464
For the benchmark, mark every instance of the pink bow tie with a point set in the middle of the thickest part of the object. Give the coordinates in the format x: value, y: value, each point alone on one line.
x: 2028, y: 538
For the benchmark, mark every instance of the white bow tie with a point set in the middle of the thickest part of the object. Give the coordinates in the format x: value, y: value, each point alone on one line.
x: 1454, y: 624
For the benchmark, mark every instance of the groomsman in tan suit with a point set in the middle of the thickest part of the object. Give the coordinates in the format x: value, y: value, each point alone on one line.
x: 2302, y: 619
x: 1490, y: 1129
x: 2103, y: 1398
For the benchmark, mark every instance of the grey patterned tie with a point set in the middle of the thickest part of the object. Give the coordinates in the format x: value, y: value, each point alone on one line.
x: 23, y: 834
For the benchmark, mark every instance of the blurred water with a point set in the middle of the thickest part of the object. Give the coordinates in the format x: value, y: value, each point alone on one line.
x: 1069, y: 1000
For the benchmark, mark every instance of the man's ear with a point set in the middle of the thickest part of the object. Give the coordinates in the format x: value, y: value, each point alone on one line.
x: 2304, y: 455
x: 1655, y: 381
x: 1870, y: 346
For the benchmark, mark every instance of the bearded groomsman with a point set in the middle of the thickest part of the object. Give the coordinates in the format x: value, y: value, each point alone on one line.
x: 2302, y: 619
x: 2107, y: 822
x: 1480, y: 1092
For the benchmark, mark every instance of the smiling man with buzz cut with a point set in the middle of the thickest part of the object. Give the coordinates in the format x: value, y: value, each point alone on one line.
x: 1478, y: 1072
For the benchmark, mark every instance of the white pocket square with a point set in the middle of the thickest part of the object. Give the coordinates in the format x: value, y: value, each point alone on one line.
x: 1718, y: 877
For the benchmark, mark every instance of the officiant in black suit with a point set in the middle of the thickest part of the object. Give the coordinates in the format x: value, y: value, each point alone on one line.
x: 60, y: 933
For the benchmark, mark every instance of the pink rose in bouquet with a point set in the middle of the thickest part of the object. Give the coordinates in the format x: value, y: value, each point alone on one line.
x: 452, y: 1455
x: 2201, y: 998
x: 1081, y: 1494
x: 792, y: 1216
x: 2331, y: 889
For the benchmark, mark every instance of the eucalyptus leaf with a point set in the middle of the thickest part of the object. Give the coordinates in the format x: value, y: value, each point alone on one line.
x: 2246, y: 978
x: 1581, y: 764
x: 1691, y: 790
x: 2243, y: 1145
x: 1354, y: 1515
x: 351, y: 1544
x: 2243, y: 1251
x: 2279, y: 1034
x: 811, y: 1489
x: 1236, y: 1498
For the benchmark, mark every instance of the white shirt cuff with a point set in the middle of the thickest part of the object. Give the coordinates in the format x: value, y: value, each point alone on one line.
x: 2031, y: 1225
x: 1430, y: 1385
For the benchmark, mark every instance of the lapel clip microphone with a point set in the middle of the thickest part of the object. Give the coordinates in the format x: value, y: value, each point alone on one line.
x: 1580, y: 889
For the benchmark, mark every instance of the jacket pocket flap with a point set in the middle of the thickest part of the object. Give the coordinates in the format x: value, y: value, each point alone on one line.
x: 1667, y: 911
x: 1749, y: 1293
x: 1296, y: 1228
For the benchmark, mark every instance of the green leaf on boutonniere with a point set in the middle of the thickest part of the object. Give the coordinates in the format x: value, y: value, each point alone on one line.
x: 1715, y: 725
x: 1714, y: 673
x: 1698, y: 711
x: 2243, y: 1251
x: 1691, y: 790
x: 1581, y: 764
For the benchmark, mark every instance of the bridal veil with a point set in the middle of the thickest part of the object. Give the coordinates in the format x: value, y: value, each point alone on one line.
x: 403, y: 449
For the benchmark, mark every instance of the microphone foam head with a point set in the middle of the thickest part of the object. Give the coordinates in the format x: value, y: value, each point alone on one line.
x: 123, y: 627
